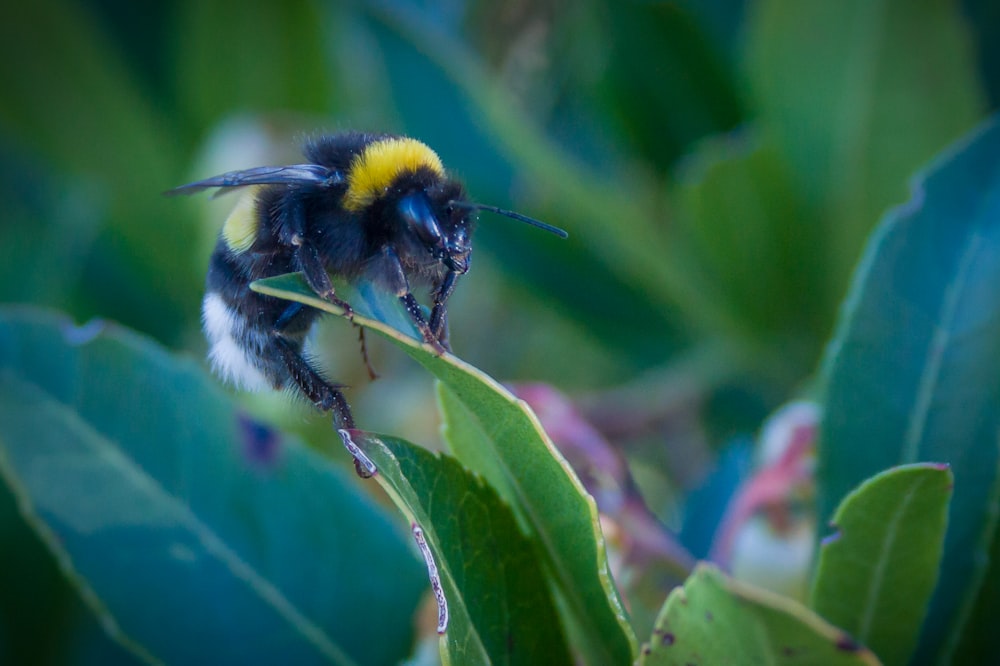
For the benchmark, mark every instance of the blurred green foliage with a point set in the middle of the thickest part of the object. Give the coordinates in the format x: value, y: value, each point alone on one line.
x: 718, y: 164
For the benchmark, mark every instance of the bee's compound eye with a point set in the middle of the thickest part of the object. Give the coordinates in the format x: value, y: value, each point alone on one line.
x: 415, y: 210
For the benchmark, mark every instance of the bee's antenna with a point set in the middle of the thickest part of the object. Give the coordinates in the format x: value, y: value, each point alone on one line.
x: 511, y: 214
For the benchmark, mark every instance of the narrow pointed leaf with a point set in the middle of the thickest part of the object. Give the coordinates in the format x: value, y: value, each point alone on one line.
x: 878, y: 568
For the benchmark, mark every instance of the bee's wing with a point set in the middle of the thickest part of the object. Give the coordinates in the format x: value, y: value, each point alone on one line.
x: 268, y: 175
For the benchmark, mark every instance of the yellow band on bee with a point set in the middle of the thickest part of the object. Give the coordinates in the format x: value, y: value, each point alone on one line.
x: 240, y: 230
x: 382, y: 162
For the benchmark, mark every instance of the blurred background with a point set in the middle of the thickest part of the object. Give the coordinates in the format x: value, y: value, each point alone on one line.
x: 717, y: 163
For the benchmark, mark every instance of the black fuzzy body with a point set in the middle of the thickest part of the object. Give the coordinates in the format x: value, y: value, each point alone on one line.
x: 302, y: 225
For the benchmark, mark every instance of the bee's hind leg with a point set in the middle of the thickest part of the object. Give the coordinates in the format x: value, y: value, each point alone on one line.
x: 325, y: 395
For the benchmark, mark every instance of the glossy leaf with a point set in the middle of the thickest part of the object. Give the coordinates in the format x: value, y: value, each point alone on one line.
x: 499, y: 606
x: 540, y: 487
x: 716, y: 620
x: 878, y: 568
x: 912, y: 372
x: 194, y: 532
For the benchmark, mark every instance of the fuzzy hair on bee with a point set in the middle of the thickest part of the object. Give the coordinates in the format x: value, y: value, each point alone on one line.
x: 374, y: 207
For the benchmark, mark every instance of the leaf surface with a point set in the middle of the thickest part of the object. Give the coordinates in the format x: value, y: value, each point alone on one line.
x: 499, y: 607
x: 195, y: 533
x: 877, y: 570
x: 913, y: 372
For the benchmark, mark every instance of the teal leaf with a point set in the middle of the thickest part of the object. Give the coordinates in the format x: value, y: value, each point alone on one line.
x: 878, y: 568
x: 911, y: 373
x: 195, y: 533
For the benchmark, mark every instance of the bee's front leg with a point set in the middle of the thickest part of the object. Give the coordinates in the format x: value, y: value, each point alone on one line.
x: 439, y: 313
x: 388, y: 271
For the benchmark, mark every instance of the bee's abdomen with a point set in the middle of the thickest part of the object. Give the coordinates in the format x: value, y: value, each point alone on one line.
x: 240, y: 325
x: 235, y: 347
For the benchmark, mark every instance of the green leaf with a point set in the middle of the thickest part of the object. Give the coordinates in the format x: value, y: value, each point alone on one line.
x: 859, y: 94
x: 716, y: 620
x: 877, y: 570
x: 469, y: 442
x: 499, y: 607
x: 194, y: 532
x: 538, y: 484
x: 912, y: 372
x: 743, y: 233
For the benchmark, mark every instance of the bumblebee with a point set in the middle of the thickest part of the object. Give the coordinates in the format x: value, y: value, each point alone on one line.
x: 376, y: 207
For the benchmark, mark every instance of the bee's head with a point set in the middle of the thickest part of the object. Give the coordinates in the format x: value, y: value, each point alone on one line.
x: 402, y: 183
x: 405, y: 182
x: 443, y: 229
